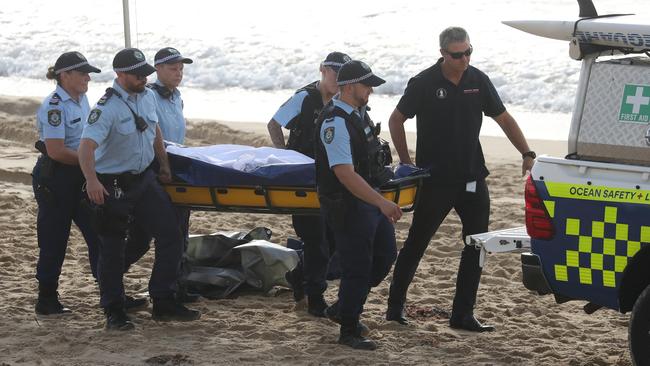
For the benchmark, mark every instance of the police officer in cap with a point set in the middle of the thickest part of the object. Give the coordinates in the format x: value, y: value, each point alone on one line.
x: 169, y: 65
x: 57, y: 179
x: 299, y: 115
x: 350, y: 167
x: 117, y: 147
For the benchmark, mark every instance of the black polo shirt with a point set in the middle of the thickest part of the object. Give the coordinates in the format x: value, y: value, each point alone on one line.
x: 449, y: 119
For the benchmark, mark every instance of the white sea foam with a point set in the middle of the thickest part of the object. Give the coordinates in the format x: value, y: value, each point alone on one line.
x: 266, y: 49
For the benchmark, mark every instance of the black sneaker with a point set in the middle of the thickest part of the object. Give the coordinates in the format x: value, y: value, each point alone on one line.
x: 332, y: 313
x: 316, y: 306
x: 131, y: 303
x: 50, y: 305
x: 116, y: 319
x: 168, y: 309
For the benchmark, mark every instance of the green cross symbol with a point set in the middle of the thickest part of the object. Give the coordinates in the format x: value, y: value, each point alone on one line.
x: 635, y: 106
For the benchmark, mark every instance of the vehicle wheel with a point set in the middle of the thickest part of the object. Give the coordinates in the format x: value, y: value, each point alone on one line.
x: 639, y: 330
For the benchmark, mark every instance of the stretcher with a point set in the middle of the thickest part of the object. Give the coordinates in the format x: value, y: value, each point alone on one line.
x: 235, y: 178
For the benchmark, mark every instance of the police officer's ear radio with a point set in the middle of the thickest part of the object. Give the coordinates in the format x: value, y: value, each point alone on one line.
x: 140, y: 123
x: 162, y: 90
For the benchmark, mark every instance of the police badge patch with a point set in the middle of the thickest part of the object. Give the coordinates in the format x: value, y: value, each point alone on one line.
x: 54, y: 117
x: 94, y: 116
x: 328, y: 135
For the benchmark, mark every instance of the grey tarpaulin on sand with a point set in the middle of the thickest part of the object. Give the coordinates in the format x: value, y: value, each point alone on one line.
x: 220, y: 263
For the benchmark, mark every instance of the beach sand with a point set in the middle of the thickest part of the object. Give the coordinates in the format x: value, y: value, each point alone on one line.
x: 256, y: 328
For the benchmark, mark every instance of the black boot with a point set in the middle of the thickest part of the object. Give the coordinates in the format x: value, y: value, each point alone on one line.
x: 397, y: 314
x: 295, y: 278
x: 185, y: 297
x: 167, y: 309
x: 134, y: 303
x: 116, y: 318
x: 316, y: 305
x: 48, y: 300
x: 468, y: 322
x: 351, y: 336
x: 332, y: 313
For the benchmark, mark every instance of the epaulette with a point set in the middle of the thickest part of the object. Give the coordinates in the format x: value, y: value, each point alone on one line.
x: 106, y: 96
x: 55, y: 99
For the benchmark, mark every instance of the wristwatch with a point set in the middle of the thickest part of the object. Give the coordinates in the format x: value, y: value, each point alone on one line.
x: 529, y: 154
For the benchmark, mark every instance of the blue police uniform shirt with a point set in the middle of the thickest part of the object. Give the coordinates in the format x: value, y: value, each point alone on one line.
x: 170, y: 116
x: 62, y: 117
x: 290, y: 109
x: 121, y: 147
x: 336, y: 138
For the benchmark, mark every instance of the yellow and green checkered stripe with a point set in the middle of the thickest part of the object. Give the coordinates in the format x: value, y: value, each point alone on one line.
x: 609, y: 245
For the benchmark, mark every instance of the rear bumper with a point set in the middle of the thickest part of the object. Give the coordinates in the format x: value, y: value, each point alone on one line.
x: 533, y: 276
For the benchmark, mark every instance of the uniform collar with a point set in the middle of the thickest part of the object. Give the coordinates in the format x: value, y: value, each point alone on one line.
x: 344, y: 106
x: 63, y: 95
x: 124, y: 93
x: 175, y: 92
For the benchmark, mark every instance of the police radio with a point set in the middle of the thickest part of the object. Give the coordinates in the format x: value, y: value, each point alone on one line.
x: 140, y: 124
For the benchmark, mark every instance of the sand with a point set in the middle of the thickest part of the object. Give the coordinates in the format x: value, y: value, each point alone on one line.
x: 257, y: 328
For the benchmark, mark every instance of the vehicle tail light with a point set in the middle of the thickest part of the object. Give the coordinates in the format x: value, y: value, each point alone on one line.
x: 538, y: 222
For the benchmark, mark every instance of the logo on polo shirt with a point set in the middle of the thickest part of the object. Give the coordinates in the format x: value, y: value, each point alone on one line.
x: 441, y: 93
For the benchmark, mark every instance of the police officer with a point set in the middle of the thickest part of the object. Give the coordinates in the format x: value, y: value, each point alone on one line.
x: 169, y: 65
x: 57, y: 179
x: 449, y: 100
x: 299, y: 115
x: 117, y: 147
x: 350, y: 166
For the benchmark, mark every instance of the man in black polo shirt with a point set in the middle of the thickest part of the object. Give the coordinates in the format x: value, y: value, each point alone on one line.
x: 449, y: 100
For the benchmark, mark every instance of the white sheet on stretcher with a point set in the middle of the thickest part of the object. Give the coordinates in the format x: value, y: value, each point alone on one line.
x: 240, y: 157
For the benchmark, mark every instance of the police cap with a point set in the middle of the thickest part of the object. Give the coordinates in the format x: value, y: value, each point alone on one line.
x: 73, y: 61
x: 356, y: 71
x: 132, y: 61
x: 335, y: 60
x: 170, y: 55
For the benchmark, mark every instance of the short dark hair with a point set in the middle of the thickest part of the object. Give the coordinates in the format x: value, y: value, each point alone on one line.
x: 451, y: 35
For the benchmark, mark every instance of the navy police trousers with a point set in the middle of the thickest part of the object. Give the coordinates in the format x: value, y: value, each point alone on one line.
x: 366, y: 247
x: 58, y: 195
x: 145, y: 202
x: 316, y: 252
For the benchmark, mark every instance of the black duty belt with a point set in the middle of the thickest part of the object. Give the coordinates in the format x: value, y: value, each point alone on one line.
x: 124, y: 180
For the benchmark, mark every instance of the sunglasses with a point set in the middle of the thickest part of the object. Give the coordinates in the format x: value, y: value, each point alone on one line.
x: 459, y: 55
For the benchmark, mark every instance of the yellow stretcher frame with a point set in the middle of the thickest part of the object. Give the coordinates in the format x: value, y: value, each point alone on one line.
x: 278, y: 200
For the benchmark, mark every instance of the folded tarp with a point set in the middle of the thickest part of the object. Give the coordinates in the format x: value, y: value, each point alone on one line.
x: 238, y: 165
